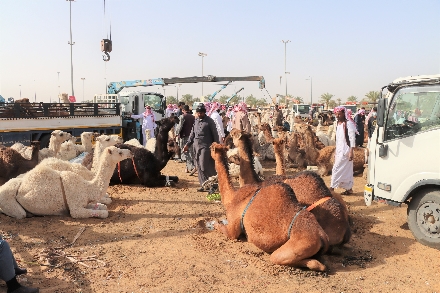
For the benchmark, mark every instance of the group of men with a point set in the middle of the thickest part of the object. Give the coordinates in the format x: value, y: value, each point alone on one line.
x: 211, y: 123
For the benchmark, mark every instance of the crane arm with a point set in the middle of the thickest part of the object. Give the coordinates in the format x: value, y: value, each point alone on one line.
x: 116, y: 87
x: 233, y: 96
x: 216, y: 92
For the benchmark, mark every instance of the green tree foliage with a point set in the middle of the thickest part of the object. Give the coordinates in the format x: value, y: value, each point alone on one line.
x: 171, y: 100
x: 332, y: 104
x: 222, y: 99
x: 373, y: 96
x: 325, y: 99
x: 189, y: 99
x: 352, y: 99
x: 299, y: 99
x: 339, y: 101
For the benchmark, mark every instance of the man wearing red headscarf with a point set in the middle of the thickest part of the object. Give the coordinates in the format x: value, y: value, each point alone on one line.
x: 241, y: 120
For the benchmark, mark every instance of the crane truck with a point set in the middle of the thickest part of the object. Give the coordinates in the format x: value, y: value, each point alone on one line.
x: 404, y: 161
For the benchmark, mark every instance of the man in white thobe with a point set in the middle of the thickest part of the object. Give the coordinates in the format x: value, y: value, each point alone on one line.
x: 342, y: 172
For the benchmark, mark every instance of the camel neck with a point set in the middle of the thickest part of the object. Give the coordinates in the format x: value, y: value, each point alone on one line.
x: 161, y: 150
x: 96, y: 156
x: 247, y: 171
x: 224, y: 182
x: 103, y: 173
x: 279, y: 157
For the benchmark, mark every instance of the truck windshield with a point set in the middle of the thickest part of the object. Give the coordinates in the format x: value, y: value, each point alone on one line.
x: 153, y: 101
x: 411, y: 112
x: 303, y: 109
x: 353, y: 108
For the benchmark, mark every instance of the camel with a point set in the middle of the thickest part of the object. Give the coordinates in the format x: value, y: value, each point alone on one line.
x: 329, y: 209
x: 270, y: 218
x: 44, y: 191
x: 69, y: 150
x: 57, y: 137
x: 101, y: 142
x: 326, y: 160
x: 12, y: 163
x: 145, y: 166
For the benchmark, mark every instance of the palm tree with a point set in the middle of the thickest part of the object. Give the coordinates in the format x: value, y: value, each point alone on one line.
x: 332, y: 104
x: 339, y: 101
x: 325, y: 98
x: 352, y: 99
x: 373, y: 96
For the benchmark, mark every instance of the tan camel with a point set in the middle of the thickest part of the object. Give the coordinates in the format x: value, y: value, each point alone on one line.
x: 270, y: 218
x: 310, y: 190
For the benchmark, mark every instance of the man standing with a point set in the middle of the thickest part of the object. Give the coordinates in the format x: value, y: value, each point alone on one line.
x: 342, y: 172
x: 203, y: 134
x: 180, y: 112
x: 183, y: 130
x: 241, y: 119
x: 278, y: 116
x: 371, y: 123
x: 359, y: 119
x: 147, y: 122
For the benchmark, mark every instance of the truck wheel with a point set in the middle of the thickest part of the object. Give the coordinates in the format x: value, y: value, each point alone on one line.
x: 424, y: 217
x: 44, y: 141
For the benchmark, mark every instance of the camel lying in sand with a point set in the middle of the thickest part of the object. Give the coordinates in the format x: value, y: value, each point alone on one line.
x: 309, y: 188
x: 44, y: 191
x: 270, y: 218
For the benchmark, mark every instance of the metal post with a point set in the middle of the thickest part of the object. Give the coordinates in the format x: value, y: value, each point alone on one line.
x: 285, y: 67
x: 83, y: 78
x: 178, y: 86
x: 58, y: 86
x: 311, y: 97
x: 202, y: 55
x: 71, y: 47
x: 20, y: 90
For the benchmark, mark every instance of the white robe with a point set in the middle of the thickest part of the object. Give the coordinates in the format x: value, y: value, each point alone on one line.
x: 147, y: 123
x: 342, y: 172
x: 218, y: 124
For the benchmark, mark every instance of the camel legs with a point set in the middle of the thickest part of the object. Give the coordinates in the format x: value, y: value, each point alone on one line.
x: 8, y: 201
x: 296, y: 253
x: 232, y: 230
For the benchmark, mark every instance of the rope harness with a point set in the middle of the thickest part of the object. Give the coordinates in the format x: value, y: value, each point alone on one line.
x: 134, y: 166
x: 245, y: 210
x: 317, y: 203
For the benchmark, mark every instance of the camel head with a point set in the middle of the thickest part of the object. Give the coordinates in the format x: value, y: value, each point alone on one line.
x: 218, y: 149
x: 278, y: 144
x: 235, y: 135
x: 115, y: 154
x: 108, y: 140
x: 301, y: 127
x: 86, y: 136
x: 172, y: 146
x: 264, y: 126
x: 166, y: 124
x: 60, y: 136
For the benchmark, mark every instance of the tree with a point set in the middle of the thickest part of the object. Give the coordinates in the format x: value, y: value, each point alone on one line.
x: 299, y: 99
x: 332, y: 104
x: 171, y: 100
x: 352, y: 99
x: 223, y: 99
x: 339, y: 101
x: 251, y: 101
x: 189, y: 99
x: 325, y: 98
x: 373, y: 96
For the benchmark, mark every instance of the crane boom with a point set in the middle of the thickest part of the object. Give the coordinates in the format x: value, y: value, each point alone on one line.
x: 116, y: 87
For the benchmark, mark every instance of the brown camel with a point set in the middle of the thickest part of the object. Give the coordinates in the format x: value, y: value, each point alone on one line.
x: 270, y: 218
x: 267, y: 131
x: 310, y: 190
x: 243, y: 141
x: 296, y: 155
x: 13, y: 164
x: 326, y: 160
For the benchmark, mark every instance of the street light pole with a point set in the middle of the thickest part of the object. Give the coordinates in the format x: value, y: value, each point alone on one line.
x: 177, y: 87
x: 202, y: 55
x: 58, y: 86
x: 20, y: 90
x: 83, y: 78
x: 285, y: 66
x: 71, y: 47
x: 311, y: 97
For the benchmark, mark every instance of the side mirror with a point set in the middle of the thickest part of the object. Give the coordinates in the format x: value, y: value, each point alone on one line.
x: 381, y: 109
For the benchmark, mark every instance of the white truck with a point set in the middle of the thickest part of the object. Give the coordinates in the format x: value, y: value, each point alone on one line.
x: 301, y: 110
x: 404, y: 157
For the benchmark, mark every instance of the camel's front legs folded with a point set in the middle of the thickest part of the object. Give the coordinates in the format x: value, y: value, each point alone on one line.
x: 232, y: 230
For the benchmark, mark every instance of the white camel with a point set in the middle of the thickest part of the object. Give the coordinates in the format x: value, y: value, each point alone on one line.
x: 44, y: 191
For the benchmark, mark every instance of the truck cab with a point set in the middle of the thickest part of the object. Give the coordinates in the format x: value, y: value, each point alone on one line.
x: 301, y: 110
x: 404, y: 162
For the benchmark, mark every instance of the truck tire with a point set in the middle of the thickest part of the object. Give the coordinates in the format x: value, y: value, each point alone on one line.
x: 424, y: 217
x: 44, y: 141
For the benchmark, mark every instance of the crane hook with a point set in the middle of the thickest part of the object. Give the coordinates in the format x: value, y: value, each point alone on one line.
x: 106, y: 57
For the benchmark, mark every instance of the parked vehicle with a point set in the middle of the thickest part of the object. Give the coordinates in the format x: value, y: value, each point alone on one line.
x: 404, y: 158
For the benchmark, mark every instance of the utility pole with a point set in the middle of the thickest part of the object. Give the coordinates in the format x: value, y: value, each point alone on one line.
x: 202, y: 55
x: 83, y: 78
x: 285, y: 67
x: 58, y: 86
x: 71, y: 47
x: 311, y: 99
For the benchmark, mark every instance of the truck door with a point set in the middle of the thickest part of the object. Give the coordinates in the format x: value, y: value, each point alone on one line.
x: 409, y: 142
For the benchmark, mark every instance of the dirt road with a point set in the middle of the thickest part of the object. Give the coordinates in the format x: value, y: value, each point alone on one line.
x: 155, y: 240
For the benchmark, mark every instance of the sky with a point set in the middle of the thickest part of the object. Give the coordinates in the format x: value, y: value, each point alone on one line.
x: 346, y: 47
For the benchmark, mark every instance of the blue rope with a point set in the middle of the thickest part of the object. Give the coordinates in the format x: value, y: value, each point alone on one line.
x: 293, y: 220
x: 245, y: 210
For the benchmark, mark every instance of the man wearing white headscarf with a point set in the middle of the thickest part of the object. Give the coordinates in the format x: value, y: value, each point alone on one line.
x: 213, y: 113
x: 147, y: 122
x: 241, y: 120
x: 342, y: 172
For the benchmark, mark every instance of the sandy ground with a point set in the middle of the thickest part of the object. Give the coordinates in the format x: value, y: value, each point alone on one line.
x: 155, y: 240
